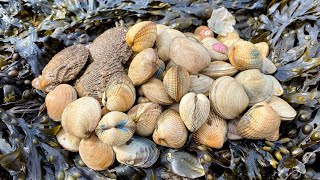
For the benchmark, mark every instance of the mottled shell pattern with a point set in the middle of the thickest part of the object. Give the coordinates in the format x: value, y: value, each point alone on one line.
x: 200, y: 84
x: 216, y: 49
x: 218, y: 69
x: 154, y: 90
x: 284, y: 110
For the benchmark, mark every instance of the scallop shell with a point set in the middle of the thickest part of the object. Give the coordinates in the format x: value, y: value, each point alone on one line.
x: 218, y: 69
x: 216, y: 49
x: 176, y: 82
x: 200, y: 84
x: 145, y: 116
x: 161, y: 28
x: 233, y: 133
x: 203, y: 32
x: 258, y: 86
x: 58, y: 99
x: 115, y: 128
x: 189, y: 54
x: 212, y: 133
x: 142, y: 36
x: 194, y: 110
x: 67, y: 141
x: 230, y: 39
x: 154, y: 90
x: 245, y: 55
x: 170, y: 130
x: 278, y: 90
x: 263, y: 48
x: 227, y: 92
x: 284, y: 110
x: 268, y: 67
x: 138, y: 152
x: 260, y: 122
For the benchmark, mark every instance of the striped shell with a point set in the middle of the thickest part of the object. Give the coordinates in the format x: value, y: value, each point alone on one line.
x: 203, y: 32
x: 278, y: 90
x: 200, y: 84
x: 218, y: 69
x: 154, y: 90
x: 216, y: 49
x: 268, y: 67
x: 263, y: 48
x: 284, y: 110
x: 68, y: 141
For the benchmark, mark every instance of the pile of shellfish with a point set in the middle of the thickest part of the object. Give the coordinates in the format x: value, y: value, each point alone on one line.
x: 133, y: 89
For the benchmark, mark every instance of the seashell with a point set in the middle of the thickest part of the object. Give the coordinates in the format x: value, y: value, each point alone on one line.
x: 218, y: 69
x: 245, y: 55
x: 216, y: 49
x: 63, y: 67
x: 142, y: 99
x: 67, y: 141
x: 161, y: 28
x: 58, y: 99
x: 142, y: 36
x: 169, y: 65
x: 170, y: 130
x: 192, y: 37
x: 138, y: 152
x: 230, y: 39
x: 194, y: 110
x: 233, y: 133
x: 163, y: 42
x: 268, y: 67
x: 119, y: 94
x: 104, y: 111
x: 143, y: 66
x: 96, y: 154
x: 145, y: 116
x: 203, y: 32
x: 174, y: 106
x: 154, y: 90
x: 189, y: 54
x: 200, y: 84
x: 160, y: 71
x: 81, y: 117
x: 212, y: 133
x: 227, y: 92
x: 263, y: 48
x: 176, y: 82
x: 115, y: 128
x: 284, y: 110
x: 260, y: 122
x: 221, y: 21
x: 258, y: 86
x: 277, y: 88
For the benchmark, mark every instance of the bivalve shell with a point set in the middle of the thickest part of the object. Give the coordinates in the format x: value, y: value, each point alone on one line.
x: 263, y: 48
x: 203, y: 32
x: 218, y: 69
x: 230, y: 39
x: 154, y: 90
x: 160, y: 70
x: 233, y: 133
x: 284, y: 110
x: 200, y: 84
x: 161, y: 28
x: 278, y: 90
x: 216, y: 49
x: 268, y: 67
x: 68, y: 141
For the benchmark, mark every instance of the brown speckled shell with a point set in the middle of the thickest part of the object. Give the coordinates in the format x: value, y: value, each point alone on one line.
x: 218, y: 69
x: 154, y: 90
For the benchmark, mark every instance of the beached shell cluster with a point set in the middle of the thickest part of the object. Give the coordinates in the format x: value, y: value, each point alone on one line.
x: 175, y: 84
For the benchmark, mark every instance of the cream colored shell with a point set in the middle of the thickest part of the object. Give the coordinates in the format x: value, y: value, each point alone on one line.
x: 215, y: 55
x: 218, y: 69
x: 284, y: 110
x: 200, y: 84
x: 154, y: 90
x: 278, y: 90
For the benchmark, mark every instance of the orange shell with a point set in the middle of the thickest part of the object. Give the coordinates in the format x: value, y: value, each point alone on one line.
x: 203, y: 31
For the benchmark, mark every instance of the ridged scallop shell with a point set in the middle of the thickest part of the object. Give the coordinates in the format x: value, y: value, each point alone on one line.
x: 216, y: 49
x: 258, y: 86
x: 58, y: 99
x: 138, y: 152
x: 233, y: 133
x: 68, y: 141
x: 160, y: 70
x: 203, y: 32
x: 143, y: 66
x: 268, y: 67
x: 200, y: 84
x: 284, y: 110
x: 228, y: 92
x: 170, y: 130
x: 218, y: 69
x: 142, y: 36
x: 115, y: 128
x: 245, y: 55
x: 260, y: 122
x: 230, y: 39
x: 145, y: 116
x: 278, y: 90
x: 161, y: 28
x: 176, y: 82
x: 189, y: 54
x: 154, y: 90
x: 194, y: 110
x: 212, y: 133
x: 96, y: 154
x: 263, y: 48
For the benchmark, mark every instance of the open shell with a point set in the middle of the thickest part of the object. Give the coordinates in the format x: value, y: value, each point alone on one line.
x: 218, y: 69
x: 284, y: 110
x: 154, y: 90
x: 68, y: 141
x: 164, y: 40
x: 200, y: 84
x: 216, y: 49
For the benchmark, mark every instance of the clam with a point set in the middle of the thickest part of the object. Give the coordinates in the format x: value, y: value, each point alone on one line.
x: 154, y: 90
x: 203, y: 32
x: 194, y: 110
x: 68, y: 141
x: 192, y: 37
x: 268, y: 67
x: 58, y: 99
x: 161, y: 28
x: 138, y: 152
x: 174, y: 106
x: 263, y: 48
x: 176, y: 82
x: 284, y: 110
x: 212, y: 133
x: 230, y: 39
x: 170, y: 64
x: 142, y: 36
x: 258, y: 86
x: 160, y: 70
x: 81, y: 117
x: 189, y: 54
x: 142, y: 99
x: 145, y: 116
x: 228, y: 97
x: 216, y: 49
x: 218, y: 69
x: 260, y: 122
x: 200, y: 84
x: 115, y: 128
x: 233, y: 133
x: 170, y: 130
x: 96, y: 154
x: 164, y: 40
x: 278, y: 90
x: 245, y: 55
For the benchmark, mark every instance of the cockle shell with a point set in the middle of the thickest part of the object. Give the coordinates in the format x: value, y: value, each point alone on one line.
x: 63, y: 67
x: 145, y: 116
x: 170, y: 64
x: 160, y: 71
x: 245, y: 55
x: 138, y: 152
x: 161, y: 28
x: 170, y: 130
x: 68, y: 141
x: 258, y: 86
x: 194, y: 110
x: 200, y: 84
x: 96, y: 154
x: 212, y: 133
x: 263, y: 48
x: 154, y: 90
x: 284, y: 110
x: 260, y: 122
x: 230, y: 39
x: 142, y: 35
x: 218, y: 69
x: 228, y: 92
x: 142, y: 99
x: 278, y: 90
x: 81, y: 117
x: 115, y: 128
x: 216, y: 49
x: 268, y: 67
x: 176, y: 82
x: 233, y: 133
x: 203, y: 32
x: 58, y: 99
x: 189, y: 54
